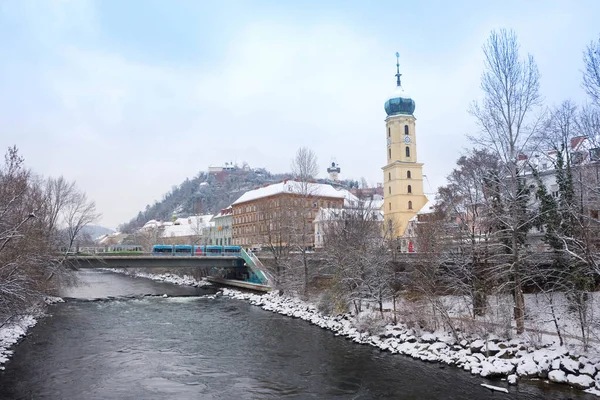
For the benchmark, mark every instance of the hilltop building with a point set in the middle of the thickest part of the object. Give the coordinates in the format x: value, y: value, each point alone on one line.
x: 334, y: 172
x: 403, y: 174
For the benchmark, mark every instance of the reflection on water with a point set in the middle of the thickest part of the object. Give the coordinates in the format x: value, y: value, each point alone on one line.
x: 212, y: 348
x: 99, y: 284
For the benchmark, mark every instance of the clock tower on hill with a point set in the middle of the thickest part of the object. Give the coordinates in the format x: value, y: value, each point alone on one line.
x: 403, y: 175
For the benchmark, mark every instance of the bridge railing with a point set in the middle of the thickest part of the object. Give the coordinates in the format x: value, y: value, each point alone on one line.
x: 257, y: 267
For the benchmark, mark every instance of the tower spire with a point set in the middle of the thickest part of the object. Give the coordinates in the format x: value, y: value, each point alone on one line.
x: 398, y: 74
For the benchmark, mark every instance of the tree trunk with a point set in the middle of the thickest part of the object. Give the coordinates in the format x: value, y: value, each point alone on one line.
x: 394, y: 302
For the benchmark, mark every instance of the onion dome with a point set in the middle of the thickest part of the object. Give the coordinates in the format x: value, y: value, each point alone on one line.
x: 399, y: 103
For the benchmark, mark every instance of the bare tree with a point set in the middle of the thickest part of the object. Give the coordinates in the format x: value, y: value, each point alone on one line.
x: 465, y: 208
x: 26, y: 246
x: 304, y: 171
x: 588, y: 125
x: 304, y: 165
x: 591, y: 72
x: 429, y: 278
x: 148, y: 237
x: 58, y: 193
x: 357, y: 256
x: 77, y: 213
x: 507, y: 122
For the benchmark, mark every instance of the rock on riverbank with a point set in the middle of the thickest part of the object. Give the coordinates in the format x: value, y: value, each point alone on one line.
x: 492, y: 358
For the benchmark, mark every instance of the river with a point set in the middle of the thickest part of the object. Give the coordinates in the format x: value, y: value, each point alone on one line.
x: 192, y: 345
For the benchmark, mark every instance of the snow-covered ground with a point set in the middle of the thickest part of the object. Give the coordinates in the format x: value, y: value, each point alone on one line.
x: 11, y: 333
x: 16, y: 328
x: 538, y: 315
x: 184, y: 280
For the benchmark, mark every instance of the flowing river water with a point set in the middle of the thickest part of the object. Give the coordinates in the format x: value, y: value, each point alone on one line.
x: 192, y: 345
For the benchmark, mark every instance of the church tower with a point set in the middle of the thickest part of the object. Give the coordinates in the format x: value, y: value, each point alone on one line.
x: 403, y: 175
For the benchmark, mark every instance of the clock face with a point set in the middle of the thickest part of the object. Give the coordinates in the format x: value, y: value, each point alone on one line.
x: 406, y: 139
x: 389, y: 141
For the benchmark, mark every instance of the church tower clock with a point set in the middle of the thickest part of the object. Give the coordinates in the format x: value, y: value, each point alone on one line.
x: 402, y: 175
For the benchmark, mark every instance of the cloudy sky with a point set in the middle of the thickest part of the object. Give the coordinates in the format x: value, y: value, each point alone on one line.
x: 131, y: 97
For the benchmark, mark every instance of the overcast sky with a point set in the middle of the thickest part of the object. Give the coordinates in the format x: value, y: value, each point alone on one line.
x: 131, y: 97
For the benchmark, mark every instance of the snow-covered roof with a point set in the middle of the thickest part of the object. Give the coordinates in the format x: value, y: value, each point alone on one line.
x: 427, y: 208
x: 189, y: 226
x: 226, y: 212
x: 582, y: 150
x: 290, y: 186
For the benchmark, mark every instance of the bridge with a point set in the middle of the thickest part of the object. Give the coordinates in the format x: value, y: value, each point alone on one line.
x: 155, y: 262
x: 244, y: 271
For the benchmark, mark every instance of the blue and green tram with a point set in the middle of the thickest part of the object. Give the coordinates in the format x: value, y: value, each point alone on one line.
x: 189, y: 250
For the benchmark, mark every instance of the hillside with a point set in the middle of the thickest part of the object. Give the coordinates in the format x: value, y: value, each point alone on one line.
x: 204, y: 194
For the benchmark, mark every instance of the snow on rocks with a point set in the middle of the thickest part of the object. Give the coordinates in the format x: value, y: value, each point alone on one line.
x: 490, y: 358
x: 428, y: 338
x: 570, y: 365
x: 53, y: 300
x: 11, y: 333
x: 527, y: 368
x: 491, y: 348
x: 580, y: 381
x: 557, y: 376
x: 477, y: 345
x: 185, y: 280
x: 588, y: 369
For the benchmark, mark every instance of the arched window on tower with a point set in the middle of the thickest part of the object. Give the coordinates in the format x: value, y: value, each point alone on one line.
x: 390, y: 153
x: 389, y: 176
x: 389, y: 189
x: 389, y: 132
x: 390, y: 206
x: 406, y: 129
x: 409, y: 189
x: 410, y: 205
x: 407, y: 152
x: 408, y: 174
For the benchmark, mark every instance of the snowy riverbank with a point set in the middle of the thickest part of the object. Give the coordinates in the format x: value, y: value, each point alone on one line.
x: 493, y: 358
x: 16, y: 328
x: 184, y: 280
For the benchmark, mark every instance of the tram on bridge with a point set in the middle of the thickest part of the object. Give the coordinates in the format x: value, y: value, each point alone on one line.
x: 189, y: 250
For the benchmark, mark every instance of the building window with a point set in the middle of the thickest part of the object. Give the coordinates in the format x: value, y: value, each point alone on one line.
x: 390, y: 190
x: 389, y: 176
x: 390, y: 206
x: 408, y: 174
x: 409, y: 189
x: 410, y: 205
x: 407, y: 151
x: 389, y: 132
x: 406, y: 129
x: 390, y: 153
